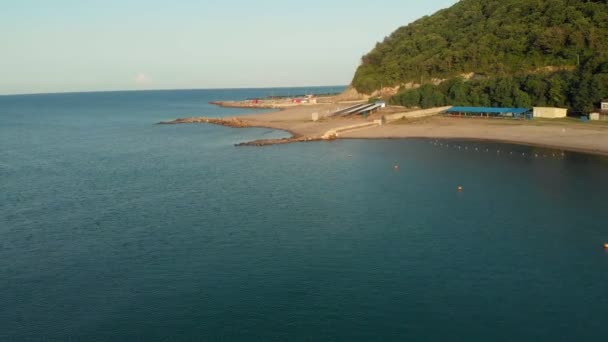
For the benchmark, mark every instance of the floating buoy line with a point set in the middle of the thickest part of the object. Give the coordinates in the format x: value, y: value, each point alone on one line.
x: 531, y: 155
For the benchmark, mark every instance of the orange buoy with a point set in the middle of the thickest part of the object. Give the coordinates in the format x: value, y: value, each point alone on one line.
x: 606, y: 245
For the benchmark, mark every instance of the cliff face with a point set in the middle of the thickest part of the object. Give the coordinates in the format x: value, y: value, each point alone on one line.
x: 351, y: 94
x: 494, y: 39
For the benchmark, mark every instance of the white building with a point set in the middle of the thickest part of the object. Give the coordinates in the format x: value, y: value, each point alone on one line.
x: 381, y: 103
x: 550, y: 113
x: 604, y: 105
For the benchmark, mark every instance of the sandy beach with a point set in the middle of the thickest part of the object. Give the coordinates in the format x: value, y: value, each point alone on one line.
x: 564, y: 134
x: 571, y: 136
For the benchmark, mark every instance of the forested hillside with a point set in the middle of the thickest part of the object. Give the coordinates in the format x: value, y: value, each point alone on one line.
x: 522, y: 52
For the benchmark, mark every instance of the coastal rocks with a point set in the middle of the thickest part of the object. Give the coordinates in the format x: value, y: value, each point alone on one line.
x: 248, y: 104
x: 229, y: 122
x: 268, y: 142
x: 386, y: 92
x: 331, y: 135
x: 351, y: 94
x: 238, y: 123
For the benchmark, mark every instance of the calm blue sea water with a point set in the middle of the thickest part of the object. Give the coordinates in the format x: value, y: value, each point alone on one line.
x: 113, y: 228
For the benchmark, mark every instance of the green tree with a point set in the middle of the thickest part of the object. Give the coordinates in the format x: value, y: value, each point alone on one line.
x: 548, y: 49
x: 457, y: 91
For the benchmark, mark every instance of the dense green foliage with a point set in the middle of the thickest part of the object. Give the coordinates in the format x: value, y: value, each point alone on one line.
x: 510, y: 42
x: 580, y: 90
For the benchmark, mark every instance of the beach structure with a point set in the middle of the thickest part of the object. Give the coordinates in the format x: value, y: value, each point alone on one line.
x: 490, y: 112
x: 415, y: 114
x: 311, y: 99
x: 604, y: 106
x: 372, y: 109
x: 349, y: 109
x: 598, y: 116
x: 550, y: 112
x: 363, y: 108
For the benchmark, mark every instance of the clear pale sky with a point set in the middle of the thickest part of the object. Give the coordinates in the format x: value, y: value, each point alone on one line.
x: 90, y: 45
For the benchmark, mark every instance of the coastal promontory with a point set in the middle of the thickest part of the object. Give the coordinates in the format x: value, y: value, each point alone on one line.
x: 504, y: 53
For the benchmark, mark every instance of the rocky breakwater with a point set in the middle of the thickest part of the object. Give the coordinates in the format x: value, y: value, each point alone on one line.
x: 228, y: 122
x: 238, y: 123
x: 247, y: 104
x: 268, y: 142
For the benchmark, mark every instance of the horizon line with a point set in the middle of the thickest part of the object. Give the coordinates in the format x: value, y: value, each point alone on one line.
x: 167, y: 89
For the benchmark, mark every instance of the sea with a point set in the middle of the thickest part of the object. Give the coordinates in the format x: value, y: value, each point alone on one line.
x: 114, y: 228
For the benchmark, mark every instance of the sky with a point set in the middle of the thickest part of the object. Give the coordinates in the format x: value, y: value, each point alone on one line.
x: 95, y: 45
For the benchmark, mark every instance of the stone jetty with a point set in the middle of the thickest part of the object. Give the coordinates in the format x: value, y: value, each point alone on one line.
x: 268, y: 142
x: 238, y: 123
x: 228, y: 122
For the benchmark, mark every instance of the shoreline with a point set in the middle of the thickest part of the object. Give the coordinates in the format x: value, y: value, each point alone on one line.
x: 564, y: 135
x: 484, y: 140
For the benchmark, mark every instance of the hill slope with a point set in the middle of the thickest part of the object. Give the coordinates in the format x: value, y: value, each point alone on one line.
x: 540, y: 52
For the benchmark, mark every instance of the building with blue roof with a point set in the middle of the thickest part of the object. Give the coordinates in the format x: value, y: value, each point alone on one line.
x: 495, y: 112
